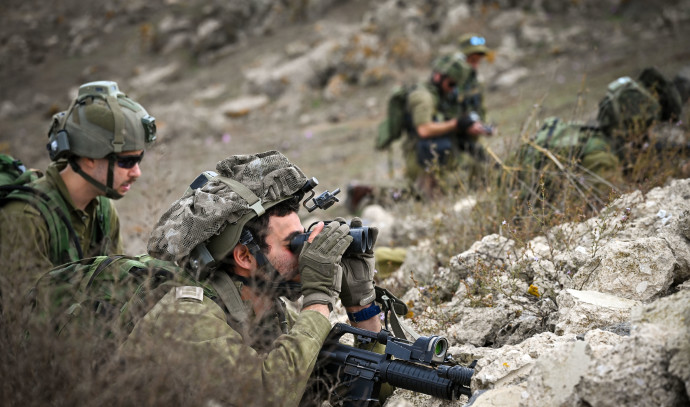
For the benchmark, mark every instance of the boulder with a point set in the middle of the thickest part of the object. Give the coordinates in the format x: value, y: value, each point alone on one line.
x: 639, y: 270
x: 581, y: 311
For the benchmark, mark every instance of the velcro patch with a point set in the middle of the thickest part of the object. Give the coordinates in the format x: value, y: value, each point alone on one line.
x: 188, y: 292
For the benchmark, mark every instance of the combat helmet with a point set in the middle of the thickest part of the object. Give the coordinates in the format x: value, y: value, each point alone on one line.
x: 453, y: 66
x: 203, y: 227
x: 101, y: 122
x: 471, y: 43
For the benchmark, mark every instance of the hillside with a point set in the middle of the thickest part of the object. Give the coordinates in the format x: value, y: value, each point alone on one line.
x: 311, y: 79
x: 324, y: 119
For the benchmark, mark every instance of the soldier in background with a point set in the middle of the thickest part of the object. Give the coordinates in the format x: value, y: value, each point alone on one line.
x: 627, y: 143
x: 471, y: 96
x: 96, y: 146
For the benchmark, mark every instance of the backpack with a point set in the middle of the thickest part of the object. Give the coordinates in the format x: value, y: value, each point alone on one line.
x: 567, y: 140
x: 627, y: 106
x: 391, y: 128
x: 17, y: 183
x: 114, y: 288
x: 13, y: 171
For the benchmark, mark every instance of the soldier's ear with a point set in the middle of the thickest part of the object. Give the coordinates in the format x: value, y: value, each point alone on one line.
x: 86, y: 163
x: 243, y: 258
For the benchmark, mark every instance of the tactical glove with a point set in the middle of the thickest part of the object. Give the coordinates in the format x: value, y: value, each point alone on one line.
x: 319, y: 265
x: 464, y: 122
x: 358, y: 273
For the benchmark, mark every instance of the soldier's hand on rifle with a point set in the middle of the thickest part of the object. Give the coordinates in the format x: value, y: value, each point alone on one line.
x: 471, y: 125
x: 358, y: 272
x: 319, y: 264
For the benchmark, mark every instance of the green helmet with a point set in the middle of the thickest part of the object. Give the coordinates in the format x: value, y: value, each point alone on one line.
x: 473, y: 44
x: 205, y: 224
x: 100, y: 121
x: 453, y: 66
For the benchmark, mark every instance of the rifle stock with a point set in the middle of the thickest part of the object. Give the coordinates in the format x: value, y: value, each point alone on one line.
x: 350, y: 376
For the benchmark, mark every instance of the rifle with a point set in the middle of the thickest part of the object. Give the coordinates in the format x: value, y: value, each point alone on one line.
x: 353, y: 377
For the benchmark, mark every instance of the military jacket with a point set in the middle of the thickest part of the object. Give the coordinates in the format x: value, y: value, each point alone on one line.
x: 25, y: 241
x: 271, y: 371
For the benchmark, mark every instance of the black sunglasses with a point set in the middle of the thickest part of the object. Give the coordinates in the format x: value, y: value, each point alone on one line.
x: 128, y: 161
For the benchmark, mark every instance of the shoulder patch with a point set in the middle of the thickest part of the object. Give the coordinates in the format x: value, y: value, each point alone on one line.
x: 189, y: 292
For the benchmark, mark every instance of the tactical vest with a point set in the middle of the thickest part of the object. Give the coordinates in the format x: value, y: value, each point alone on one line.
x: 64, y: 242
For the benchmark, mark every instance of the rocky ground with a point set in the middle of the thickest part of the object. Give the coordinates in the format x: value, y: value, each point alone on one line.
x: 594, y: 313
x: 591, y: 313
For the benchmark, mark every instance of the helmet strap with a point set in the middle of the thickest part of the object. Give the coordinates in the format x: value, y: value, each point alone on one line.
x: 106, y: 189
x: 119, y: 122
x: 274, y: 283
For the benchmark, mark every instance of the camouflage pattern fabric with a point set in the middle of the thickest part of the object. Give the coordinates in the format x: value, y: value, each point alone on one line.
x: 276, y: 376
x: 26, y: 245
x: 579, y: 148
x: 204, y: 212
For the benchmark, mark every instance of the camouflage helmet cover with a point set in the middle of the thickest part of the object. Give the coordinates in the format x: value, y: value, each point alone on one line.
x: 471, y: 43
x: 453, y: 66
x: 102, y: 120
x: 216, y: 212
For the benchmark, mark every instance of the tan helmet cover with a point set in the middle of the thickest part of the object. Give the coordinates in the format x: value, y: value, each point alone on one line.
x: 216, y: 213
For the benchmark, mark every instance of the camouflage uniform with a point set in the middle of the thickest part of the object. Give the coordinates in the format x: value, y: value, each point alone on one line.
x: 25, y: 243
x: 101, y: 123
x: 607, y: 151
x: 571, y: 143
x: 266, y: 365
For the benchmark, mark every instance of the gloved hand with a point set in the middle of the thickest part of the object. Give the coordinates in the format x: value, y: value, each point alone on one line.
x: 466, y: 121
x: 358, y: 272
x: 319, y: 265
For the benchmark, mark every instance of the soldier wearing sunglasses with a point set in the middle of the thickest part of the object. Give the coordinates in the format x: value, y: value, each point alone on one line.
x: 95, y: 146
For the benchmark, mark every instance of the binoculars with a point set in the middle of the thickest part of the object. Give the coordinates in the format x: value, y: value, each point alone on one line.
x: 362, y: 240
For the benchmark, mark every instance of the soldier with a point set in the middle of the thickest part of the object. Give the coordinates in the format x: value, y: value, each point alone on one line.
x: 616, y: 148
x: 471, y: 98
x: 233, y: 233
x: 96, y: 146
x: 437, y: 129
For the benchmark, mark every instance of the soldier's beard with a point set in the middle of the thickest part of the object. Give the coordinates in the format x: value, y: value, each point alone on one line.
x: 268, y: 282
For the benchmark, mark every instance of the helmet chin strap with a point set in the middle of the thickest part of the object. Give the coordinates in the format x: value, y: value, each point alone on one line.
x: 274, y: 284
x: 107, y: 189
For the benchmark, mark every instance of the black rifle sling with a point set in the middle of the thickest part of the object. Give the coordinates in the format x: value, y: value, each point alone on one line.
x: 392, y: 306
